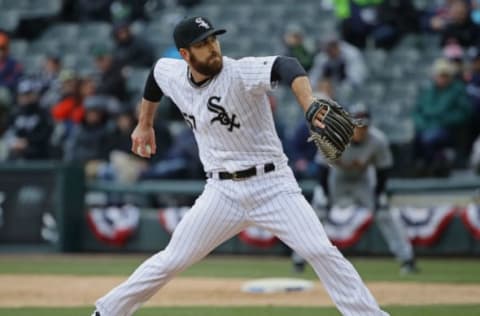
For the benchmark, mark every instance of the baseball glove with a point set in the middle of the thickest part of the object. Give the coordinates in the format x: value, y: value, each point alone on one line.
x: 333, y: 139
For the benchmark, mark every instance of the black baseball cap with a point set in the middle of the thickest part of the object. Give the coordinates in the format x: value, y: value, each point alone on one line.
x: 193, y: 30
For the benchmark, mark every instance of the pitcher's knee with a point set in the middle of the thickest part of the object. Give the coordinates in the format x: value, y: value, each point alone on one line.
x: 318, y: 251
x: 172, y: 263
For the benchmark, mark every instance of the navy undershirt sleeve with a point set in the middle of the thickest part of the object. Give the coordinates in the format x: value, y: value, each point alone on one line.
x: 152, y: 91
x: 286, y: 69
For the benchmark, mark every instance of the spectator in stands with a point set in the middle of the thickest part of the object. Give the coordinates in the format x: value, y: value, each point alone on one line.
x: 88, y: 86
x: 88, y: 144
x: 111, y: 80
x: 51, y: 68
x: 48, y: 76
x: 375, y: 19
x: 29, y: 128
x: 460, y: 27
x: 440, y: 114
x: 124, y: 166
x: 131, y: 50
x: 301, y: 152
x: 180, y: 162
x: 295, y: 46
x: 10, y: 69
x: 340, y: 62
x: 437, y: 17
x: 475, y: 11
x: 5, y: 105
x: 455, y: 54
x: 125, y: 122
x: 392, y: 25
x: 473, y: 91
x: 69, y: 109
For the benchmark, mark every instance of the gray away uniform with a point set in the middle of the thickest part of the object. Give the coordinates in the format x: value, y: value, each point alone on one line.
x: 350, y: 184
x: 358, y: 186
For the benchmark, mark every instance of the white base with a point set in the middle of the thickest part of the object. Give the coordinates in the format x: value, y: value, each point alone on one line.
x: 277, y: 285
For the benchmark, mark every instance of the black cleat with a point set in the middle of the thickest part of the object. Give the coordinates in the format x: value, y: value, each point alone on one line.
x: 299, y: 267
x: 409, y: 267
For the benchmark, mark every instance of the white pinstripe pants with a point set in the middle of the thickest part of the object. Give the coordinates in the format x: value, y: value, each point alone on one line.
x: 272, y: 201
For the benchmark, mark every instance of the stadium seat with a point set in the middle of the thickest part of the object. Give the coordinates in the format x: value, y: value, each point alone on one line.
x: 375, y: 60
x: 77, y: 61
x: 32, y: 63
x: 401, y: 89
x: 64, y: 32
x: 18, y: 48
x: 300, y: 12
x: 98, y: 30
x: 18, y: 5
x: 374, y: 91
x: 268, y: 12
x: 398, y: 131
x: 237, y: 48
x: 210, y: 11
x: 44, y: 46
x: 9, y: 20
x: 158, y: 29
x: 218, y: 2
x: 236, y: 14
x: 136, y: 79
x: 44, y: 8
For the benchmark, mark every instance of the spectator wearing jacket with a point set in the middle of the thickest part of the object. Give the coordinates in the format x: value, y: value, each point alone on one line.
x: 10, y: 69
x: 29, y: 127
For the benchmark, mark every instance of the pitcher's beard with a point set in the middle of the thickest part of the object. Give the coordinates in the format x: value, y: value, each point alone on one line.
x: 209, y: 68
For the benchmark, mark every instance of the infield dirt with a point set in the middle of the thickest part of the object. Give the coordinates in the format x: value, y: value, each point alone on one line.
x: 66, y: 291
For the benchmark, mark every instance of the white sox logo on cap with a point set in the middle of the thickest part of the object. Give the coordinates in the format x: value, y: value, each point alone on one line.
x: 202, y: 23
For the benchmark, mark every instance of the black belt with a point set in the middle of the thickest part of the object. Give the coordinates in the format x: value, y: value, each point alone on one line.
x: 242, y: 174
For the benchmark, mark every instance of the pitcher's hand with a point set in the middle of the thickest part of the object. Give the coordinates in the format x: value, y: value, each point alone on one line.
x: 143, y: 141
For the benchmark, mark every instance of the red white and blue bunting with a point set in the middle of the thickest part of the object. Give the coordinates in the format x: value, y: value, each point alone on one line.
x: 345, y: 226
x: 425, y: 225
x: 114, y: 225
x: 471, y: 218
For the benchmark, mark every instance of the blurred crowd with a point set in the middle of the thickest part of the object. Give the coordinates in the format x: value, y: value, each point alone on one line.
x: 446, y: 113
x: 86, y: 117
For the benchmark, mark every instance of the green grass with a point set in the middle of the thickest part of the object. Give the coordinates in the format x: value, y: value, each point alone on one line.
x: 432, y: 270
x: 437, y: 310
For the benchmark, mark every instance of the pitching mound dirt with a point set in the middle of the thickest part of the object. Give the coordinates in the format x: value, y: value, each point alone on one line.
x: 63, y: 291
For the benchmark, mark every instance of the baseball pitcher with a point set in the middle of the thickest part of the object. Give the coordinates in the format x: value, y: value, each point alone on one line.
x: 224, y: 101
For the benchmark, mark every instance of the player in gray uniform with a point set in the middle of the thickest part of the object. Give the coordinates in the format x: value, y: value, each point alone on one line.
x: 225, y: 103
x: 359, y: 178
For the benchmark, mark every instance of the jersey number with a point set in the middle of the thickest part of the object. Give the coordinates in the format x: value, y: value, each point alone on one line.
x: 222, y: 115
x: 190, y: 120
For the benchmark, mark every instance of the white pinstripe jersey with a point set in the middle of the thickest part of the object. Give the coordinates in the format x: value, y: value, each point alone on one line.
x: 230, y: 114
